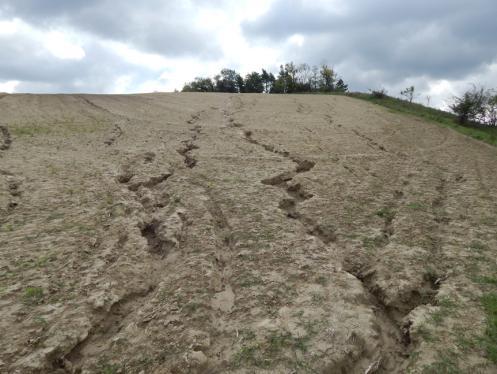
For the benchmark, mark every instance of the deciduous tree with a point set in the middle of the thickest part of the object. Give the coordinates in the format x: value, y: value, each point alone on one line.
x: 254, y: 83
x: 328, y: 78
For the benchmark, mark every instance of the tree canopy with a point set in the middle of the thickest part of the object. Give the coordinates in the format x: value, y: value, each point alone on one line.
x: 291, y: 78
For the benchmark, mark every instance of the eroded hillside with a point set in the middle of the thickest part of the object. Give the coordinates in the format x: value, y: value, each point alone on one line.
x: 212, y: 233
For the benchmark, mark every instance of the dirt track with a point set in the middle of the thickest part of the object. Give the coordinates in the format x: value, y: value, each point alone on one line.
x: 212, y: 233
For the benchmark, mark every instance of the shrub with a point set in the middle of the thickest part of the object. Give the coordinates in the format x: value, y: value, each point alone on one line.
x: 408, y: 93
x: 472, y: 106
x: 492, y: 111
x: 379, y: 94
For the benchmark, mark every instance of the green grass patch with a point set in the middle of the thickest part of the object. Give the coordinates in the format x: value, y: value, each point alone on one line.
x: 41, y: 321
x: 489, y: 302
x: 447, y: 307
x: 109, y: 369
x: 30, y: 130
x: 483, y: 279
x: 425, y: 333
x: 386, y: 213
x: 278, y: 347
x: 440, y: 117
x: 477, y: 246
x: 33, y: 295
x: 416, y: 206
x: 447, y: 363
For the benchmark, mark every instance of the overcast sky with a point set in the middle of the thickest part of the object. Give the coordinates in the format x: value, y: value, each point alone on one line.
x: 109, y: 46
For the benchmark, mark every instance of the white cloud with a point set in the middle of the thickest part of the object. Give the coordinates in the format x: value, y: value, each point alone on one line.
x: 133, y: 56
x: 8, y: 86
x: 122, y: 84
x: 158, y: 46
x: 297, y: 39
x: 61, y: 46
x: 9, y: 27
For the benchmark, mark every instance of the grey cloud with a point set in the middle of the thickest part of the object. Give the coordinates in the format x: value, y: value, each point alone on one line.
x: 39, y: 71
x: 440, y: 39
x: 152, y: 26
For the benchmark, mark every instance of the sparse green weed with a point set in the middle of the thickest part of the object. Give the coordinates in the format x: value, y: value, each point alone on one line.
x: 446, y: 307
x: 322, y: 280
x: 40, y: 320
x: 33, y: 295
x: 109, y: 369
x: 386, y: 213
x: 416, y: 206
x: 489, y: 302
x: 477, y: 246
x: 446, y: 364
x: 425, y: 334
x: 482, y: 279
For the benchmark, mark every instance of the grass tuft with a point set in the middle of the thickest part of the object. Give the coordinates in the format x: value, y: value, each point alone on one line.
x: 33, y: 295
x: 386, y: 213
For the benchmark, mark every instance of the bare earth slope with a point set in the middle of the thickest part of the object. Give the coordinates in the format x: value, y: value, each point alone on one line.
x: 212, y: 233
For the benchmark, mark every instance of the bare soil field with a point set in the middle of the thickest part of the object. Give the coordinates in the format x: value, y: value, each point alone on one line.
x: 217, y: 233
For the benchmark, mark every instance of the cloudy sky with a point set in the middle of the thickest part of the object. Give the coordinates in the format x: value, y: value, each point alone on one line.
x: 109, y: 46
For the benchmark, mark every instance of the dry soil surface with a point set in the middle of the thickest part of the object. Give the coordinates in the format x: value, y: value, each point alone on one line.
x: 216, y: 233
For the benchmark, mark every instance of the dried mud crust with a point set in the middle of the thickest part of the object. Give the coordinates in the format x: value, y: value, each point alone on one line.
x: 240, y: 234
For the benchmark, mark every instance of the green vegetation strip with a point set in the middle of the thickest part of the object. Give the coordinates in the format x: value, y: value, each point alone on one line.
x: 446, y: 119
x: 489, y: 302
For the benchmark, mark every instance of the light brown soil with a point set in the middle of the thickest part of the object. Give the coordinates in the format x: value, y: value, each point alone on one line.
x: 213, y: 233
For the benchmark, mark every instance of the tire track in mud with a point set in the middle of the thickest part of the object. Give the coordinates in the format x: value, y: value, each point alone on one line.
x: 393, y: 345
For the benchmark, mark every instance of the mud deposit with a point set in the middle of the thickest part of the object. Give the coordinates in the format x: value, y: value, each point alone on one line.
x: 213, y: 233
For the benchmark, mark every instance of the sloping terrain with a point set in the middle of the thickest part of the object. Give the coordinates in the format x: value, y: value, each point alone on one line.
x: 213, y: 233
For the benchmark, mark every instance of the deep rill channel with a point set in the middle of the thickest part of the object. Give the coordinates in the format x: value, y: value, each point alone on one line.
x: 6, y: 139
x: 189, y: 145
x: 161, y: 236
x: 393, y: 346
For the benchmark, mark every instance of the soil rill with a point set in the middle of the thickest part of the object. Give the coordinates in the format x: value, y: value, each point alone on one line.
x: 217, y: 233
